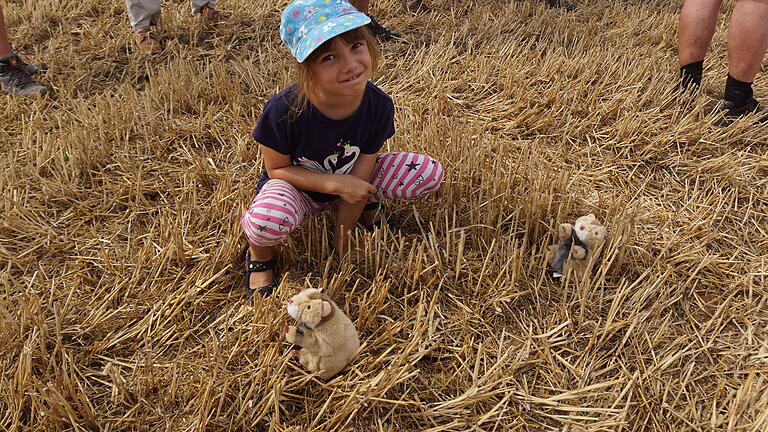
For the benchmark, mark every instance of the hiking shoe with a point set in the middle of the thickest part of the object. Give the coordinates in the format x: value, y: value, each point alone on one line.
x: 145, y: 40
x: 729, y: 112
x: 14, y: 78
x: 217, y: 20
x: 562, y: 4
x: 416, y: 6
x: 379, y: 30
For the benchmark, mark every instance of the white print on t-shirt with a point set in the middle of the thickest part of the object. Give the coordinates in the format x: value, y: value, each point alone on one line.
x: 339, y: 162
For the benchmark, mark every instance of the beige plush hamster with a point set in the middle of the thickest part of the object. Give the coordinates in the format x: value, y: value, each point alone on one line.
x: 328, y: 338
x: 578, y: 244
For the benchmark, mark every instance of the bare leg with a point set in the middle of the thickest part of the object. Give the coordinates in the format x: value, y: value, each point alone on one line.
x: 261, y: 253
x: 5, y: 44
x: 697, y: 26
x: 361, y: 5
x: 747, y: 38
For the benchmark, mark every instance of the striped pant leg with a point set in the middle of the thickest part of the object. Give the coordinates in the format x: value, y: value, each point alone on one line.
x: 275, y: 212
x: 405, y: 175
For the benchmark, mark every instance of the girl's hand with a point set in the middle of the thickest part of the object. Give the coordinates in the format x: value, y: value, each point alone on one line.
x: 353, y: 189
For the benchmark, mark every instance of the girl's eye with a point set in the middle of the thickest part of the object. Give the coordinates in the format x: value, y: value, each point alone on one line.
x: 329, y: 57
x: 356, y: 45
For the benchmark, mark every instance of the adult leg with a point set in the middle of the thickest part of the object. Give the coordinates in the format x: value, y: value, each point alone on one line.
x: 5, y: 43
x: 698, y: 19
x: 275, y: 212
x: 197, y: 5
x: 142, y: 15
x: 212, y: 16
x: 747, y: 43
x: 747, y: 38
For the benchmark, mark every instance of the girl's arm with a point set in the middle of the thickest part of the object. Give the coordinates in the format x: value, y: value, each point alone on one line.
x: 349, y: 212
x: 351, y: 188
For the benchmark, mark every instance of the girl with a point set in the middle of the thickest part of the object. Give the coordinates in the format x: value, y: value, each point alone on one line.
x: 320, y: 138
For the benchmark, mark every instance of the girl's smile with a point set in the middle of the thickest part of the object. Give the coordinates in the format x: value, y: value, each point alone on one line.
x: 354, y: 78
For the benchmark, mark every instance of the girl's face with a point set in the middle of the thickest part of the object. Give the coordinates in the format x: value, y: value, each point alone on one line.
x: 343, y: 70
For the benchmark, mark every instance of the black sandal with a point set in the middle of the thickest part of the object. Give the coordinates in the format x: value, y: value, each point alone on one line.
x: 376, y: 222
x: 256, y: 267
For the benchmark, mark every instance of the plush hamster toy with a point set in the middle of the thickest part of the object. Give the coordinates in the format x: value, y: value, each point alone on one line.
x: 577, y: 245
x: 328, y: 338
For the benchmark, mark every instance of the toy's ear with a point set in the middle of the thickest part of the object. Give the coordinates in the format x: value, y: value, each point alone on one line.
x: 326, y: 309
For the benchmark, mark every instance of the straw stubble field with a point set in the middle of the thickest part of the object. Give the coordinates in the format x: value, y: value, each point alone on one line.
x: 121, y: 301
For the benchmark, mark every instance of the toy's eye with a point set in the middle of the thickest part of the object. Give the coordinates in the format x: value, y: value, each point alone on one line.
x: 309, y: 307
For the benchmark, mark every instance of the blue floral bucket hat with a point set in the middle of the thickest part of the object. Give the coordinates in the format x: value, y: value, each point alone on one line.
x: 307, y: 24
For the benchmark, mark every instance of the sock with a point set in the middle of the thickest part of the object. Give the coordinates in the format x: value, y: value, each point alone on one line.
x: 690, y: 74
x: 738, y: 92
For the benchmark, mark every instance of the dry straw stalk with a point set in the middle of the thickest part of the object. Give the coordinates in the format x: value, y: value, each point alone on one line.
x: 120, y: 299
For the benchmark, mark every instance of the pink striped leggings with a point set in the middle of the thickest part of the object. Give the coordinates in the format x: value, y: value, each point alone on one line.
x: 279, y: 207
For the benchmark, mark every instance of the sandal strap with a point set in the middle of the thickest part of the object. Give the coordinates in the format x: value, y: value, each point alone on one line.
x: 260, y: 266
x: 264, y: 291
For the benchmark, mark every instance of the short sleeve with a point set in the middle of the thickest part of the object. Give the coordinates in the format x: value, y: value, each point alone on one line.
x: 273, y: 130
x: 384, y: 121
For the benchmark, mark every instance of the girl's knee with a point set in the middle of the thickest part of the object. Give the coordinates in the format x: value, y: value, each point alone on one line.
x: 261, y: 230
x: 435, y: 176
x: 268, y: 222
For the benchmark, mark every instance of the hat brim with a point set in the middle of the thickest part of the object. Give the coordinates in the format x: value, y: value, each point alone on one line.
x: 320, y: 34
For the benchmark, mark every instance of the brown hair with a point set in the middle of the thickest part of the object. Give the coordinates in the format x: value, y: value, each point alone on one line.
x: 304, y: 81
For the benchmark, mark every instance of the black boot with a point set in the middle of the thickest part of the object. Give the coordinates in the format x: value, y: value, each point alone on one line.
x: 379, y: 30
x: 738, y: 102
x: 15, y: 77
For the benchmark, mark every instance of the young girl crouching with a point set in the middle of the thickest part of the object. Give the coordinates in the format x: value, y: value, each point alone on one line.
x: 320, y: 138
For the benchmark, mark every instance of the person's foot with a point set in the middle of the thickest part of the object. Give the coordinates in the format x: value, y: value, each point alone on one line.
x: 217, y: 20
x: 416, y: 6
x: 259, y: 276
x: 146, y: 42
x: 260, y: 279
x: 15, y: 78
x: 33, y: 68
x: 729, y: 112
x: 379, y: 30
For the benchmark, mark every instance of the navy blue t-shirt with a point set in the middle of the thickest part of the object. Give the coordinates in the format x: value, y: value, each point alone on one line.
x: 319, y: 143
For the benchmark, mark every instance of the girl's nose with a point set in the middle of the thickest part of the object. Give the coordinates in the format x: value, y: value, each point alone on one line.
x: 349, y: 63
